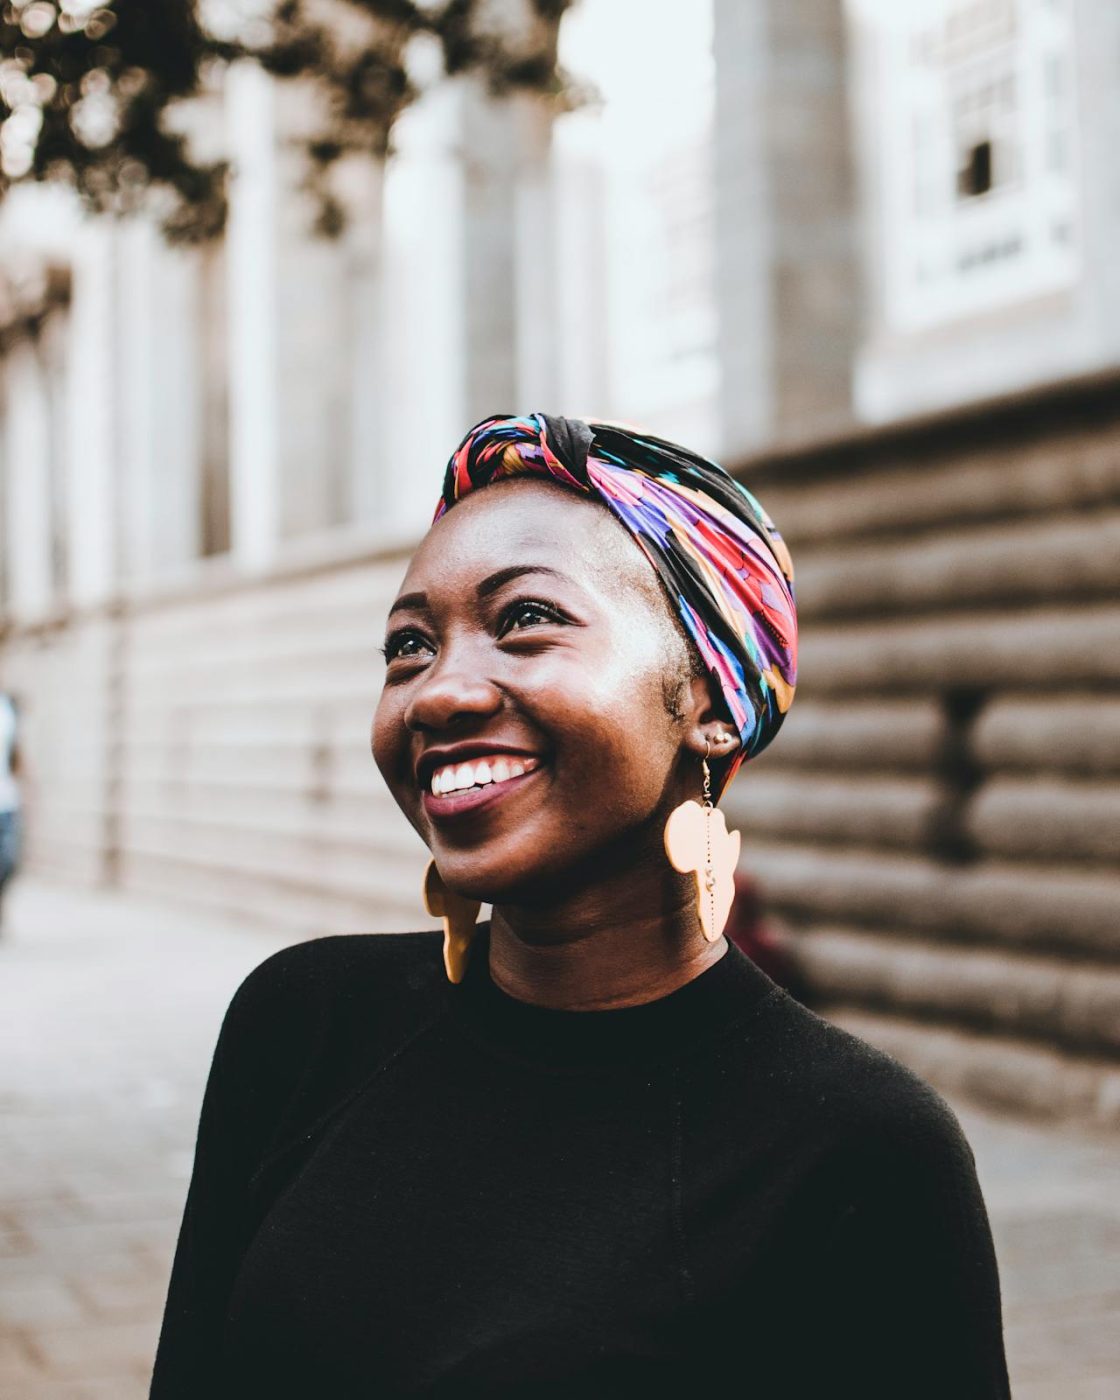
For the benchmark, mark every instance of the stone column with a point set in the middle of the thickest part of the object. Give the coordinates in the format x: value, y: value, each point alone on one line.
x: 582, y: 327
x: 176, y: 519
x: 28, y: 516
x: 486, y: 191
x: 90, y: 448
x: 304, y: 328
x: 365, y: 342
x: 536, y: 267
x: 251, y: 272
x: 449, y: 307
x: 158, y: 403
x: 136, y: 421
x: 315, y: 326
x: 786, y: 266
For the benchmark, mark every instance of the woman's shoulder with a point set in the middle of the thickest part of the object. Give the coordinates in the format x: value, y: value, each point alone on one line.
x: 330, y: 978
x: 847, y: 1089
x: 338, y: 957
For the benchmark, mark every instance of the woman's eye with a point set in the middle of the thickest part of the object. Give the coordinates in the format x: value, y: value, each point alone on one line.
x: 527, y: 614
x: 403, y: 644
x: 408, y: 645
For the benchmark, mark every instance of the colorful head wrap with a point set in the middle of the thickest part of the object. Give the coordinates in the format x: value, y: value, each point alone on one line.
x: 723, y: 564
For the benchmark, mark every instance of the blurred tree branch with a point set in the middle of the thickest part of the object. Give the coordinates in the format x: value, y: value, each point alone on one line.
x: 92, y: 92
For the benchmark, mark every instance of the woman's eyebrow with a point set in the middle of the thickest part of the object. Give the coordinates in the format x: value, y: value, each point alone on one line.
x: 491, y: 584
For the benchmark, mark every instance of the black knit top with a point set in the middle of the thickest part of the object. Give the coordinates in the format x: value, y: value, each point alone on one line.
x: 403, y: 1187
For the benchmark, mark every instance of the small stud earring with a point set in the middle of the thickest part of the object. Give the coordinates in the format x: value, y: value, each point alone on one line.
x: 459, y: 915
x: 698, y: 843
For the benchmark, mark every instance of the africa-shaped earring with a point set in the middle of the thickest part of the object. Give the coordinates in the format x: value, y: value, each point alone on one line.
x: 459, y: 915
x: 698, y: 843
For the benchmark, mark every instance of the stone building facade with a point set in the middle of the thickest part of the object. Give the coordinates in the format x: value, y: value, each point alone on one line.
x: 810, y: 238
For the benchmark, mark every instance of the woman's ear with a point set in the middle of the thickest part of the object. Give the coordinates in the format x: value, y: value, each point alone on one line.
x: 708, y: 724
x: 709, y: 728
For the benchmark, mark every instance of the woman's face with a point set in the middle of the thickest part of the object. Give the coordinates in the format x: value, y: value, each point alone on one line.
x: 531, y: 633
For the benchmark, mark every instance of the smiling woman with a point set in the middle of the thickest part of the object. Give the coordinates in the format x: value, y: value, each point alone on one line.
x: 559, y: 664
x: 585, y: 1148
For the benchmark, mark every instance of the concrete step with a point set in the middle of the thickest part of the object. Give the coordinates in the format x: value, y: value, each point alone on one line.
x: 827, y: 807
x: 295, y: 907
x: 1035, y: 908
x: 1013, y: 562
x: 319, y: 679
x: 1008, y: 1075
x: 1067, y: 733
x: 317, y: 771
x: 1033, y: 819
x: 903, y: 734
x: 1076, y: 1005
x: 265, y: 819
x: 1040, y: 476
x: 304, y: 860
x: 986, y: 650
x: 1054, y: 820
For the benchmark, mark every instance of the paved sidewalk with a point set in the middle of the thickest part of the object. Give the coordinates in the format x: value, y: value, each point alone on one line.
x: 109, y: 1009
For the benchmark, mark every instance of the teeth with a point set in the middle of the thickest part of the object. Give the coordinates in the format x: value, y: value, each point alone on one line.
x: 458, y: 777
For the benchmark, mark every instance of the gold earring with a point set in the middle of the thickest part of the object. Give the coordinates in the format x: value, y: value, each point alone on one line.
x: 698, y: 843
x: 459, y: 915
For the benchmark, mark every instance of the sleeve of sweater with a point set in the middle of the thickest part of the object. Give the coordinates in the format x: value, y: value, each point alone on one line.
x: 261, y: 1048
x: 906, y: 1275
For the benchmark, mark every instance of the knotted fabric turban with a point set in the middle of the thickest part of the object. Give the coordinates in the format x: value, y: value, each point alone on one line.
x: 723, y: 564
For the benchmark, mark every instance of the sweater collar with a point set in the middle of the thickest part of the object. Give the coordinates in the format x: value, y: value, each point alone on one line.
x: 730, y: 990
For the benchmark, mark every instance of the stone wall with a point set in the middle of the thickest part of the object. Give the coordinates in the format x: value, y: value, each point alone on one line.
x: 935, y: 830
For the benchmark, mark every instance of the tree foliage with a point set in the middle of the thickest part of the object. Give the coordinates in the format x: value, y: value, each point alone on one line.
x: 94, y: 93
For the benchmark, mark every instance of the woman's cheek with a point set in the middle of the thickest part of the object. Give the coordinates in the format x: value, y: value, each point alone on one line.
x: 389, y: 741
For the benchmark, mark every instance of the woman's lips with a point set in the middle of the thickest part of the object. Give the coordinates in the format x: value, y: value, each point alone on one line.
x: 448, y: 805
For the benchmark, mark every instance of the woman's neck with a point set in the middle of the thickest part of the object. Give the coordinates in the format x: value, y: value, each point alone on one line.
x: 618, y: 942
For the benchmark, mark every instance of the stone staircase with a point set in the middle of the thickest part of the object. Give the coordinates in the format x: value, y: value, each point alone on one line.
x: 937, y: 827
x: 213, y: 745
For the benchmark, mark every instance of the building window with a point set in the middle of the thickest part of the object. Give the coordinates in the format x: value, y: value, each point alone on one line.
x: 975, y: 176
x: 974, y: 152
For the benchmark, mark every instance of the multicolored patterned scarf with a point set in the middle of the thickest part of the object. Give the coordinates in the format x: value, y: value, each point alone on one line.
x: 723, y: 564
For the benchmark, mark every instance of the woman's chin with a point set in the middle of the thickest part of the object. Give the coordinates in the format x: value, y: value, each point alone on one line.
x: 497, y: 878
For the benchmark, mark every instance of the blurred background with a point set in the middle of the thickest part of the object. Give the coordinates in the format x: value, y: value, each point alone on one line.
x: 260, y: 267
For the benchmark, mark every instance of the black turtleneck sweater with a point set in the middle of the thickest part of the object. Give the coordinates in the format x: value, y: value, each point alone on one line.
x: 407, y: 1188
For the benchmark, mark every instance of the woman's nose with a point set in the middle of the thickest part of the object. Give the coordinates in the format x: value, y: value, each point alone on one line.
x: 451, y: 689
